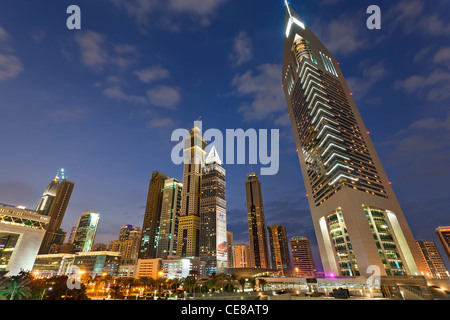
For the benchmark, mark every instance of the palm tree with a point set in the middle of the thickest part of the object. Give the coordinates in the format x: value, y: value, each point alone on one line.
x: 262, y: 283
x: 145, y: 281
x: 189, y: 284
x: 242, y: 283
x: 16, y: 286
x: 252, y: 283
x: 128, y: 282
x: 116, y: 289
x: 222, y: 277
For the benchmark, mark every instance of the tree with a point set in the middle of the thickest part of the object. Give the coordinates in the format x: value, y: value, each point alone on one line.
x: 16, y: 286
x: 252, y: 283
x: 242, y: 283
x: 116, y: 290
x: 262, y: 283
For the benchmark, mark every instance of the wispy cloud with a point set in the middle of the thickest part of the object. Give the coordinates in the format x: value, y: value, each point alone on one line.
x: 264, y: 90
x: 10, y: 65
x: 117, y: 93
x: 152, y: 74
x: 164, y: 96
x: 371, y: 74
x: 242, y: 49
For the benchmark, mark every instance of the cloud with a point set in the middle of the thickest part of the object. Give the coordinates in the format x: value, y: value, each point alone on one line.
x: 67, y: 114
x: 4, y: 36
x: 117, y: 93
x: 38, y: 35
x: 264, y: 89
x: 164, y: 96
x: 166, y: 13
x: 10, y: 66
x: 98, y: 54
x: 160, y: 122
x: 436, y: 85
x: 152, y: 74
x: 242, y: 49
x: 372, y: 73
x: 342, y: 35
x: 443, y: 55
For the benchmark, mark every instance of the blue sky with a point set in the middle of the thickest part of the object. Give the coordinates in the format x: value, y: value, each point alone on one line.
x: 103, y: 101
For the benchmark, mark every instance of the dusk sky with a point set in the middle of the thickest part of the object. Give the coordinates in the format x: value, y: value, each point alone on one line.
x: 102, y: 102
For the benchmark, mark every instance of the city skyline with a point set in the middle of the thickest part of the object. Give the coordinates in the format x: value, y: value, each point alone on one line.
x: 31, y: 176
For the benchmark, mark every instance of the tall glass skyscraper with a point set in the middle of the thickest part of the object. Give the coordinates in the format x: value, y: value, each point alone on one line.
x: 356, y: 216
x: 279, y: 250
x: 213, y: 216
x: 86, y: 232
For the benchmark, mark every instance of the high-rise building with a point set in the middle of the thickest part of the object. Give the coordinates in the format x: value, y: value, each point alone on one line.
x: 152, y: 216
x: 302, y: 259
x: 125, y: 231
x: 443, y: 234
x: 241, y: 256
x: 259, y: 256
x: 21, y: 233
x: 357, y: 218
x: 56, y: 210
x: 433, y: 260
x: 86, y: 231
x: 279, y: 250
x: 128, y: 243
x: 230, y: 249
x: 73, y: 231
x: 213, y: 217
x: 189, y: 221
x: 170, y: 212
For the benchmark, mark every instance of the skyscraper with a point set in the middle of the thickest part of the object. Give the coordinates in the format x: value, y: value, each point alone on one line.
x: 230, y: 248
x: 241, y: 256
x: 303, y: 262
x: 189, y: 221
x: 213, y: 232
x: 279, y: 250
x: 152, y: 216
x: 56, y: 210
x: 443, y: 234
x: 170, y: 212
x: 125, y: 232
x: 259, y: 257
x: 357, y: 219
x: 86, y: 231
x: 128, y: 243
x: 433, y: 260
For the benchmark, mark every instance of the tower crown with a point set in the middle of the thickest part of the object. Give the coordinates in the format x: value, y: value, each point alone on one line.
x: 213, y: 157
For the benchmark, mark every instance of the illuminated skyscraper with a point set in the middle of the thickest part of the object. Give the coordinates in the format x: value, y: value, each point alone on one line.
x: 55, y: 207
x: 170, y: 212
x: 241, y: 256
x: 443, y: 234
x: 279, y: 250
x: 356, y: 216
x: 433, y: 260
x: 86, y: 231
x: 213, y: 232
x: 230, y: 248
x: 152, y: 216
x: 259, y: 256
x: 189, y: 221
x: 302, y: 259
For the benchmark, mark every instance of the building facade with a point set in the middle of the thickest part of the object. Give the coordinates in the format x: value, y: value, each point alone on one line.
x: 357, y: 218
x: 152, y: 216
x: 230, y: 249
x: 55, y: 208
x: 21, y: 234
x: 443, y: 234
x: 279, y: 250
x: 213, y: 216
x: 170, y: 213
x: 86, y: 232
x: 241, y: 256
x: 433, y: 260
x: 189, y: 221
x: 259, y: 256
x: 302, y: 259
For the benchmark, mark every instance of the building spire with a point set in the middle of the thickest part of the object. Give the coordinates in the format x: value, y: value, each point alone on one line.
x: 213, y: 157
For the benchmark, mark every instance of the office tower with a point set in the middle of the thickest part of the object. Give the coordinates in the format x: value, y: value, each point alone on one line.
x: 189, y: 221
x: 170, y: 212
x: 128, y: 243
x: 213, y: 215
x: 443, y: 234
x: 241, y: 256
x: 86, y: 231
x: 230, y: 249
x: 259, y: 257
x: 73, y: 231
x: 433, y: 259
x: 48, y: 197
x: 56, y: 212
x: 357, y: 218
x: 279, y: 250
x: 125, y: 231
x: 21, y: 233
x: 302, y: 259
x: 152, y: 215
